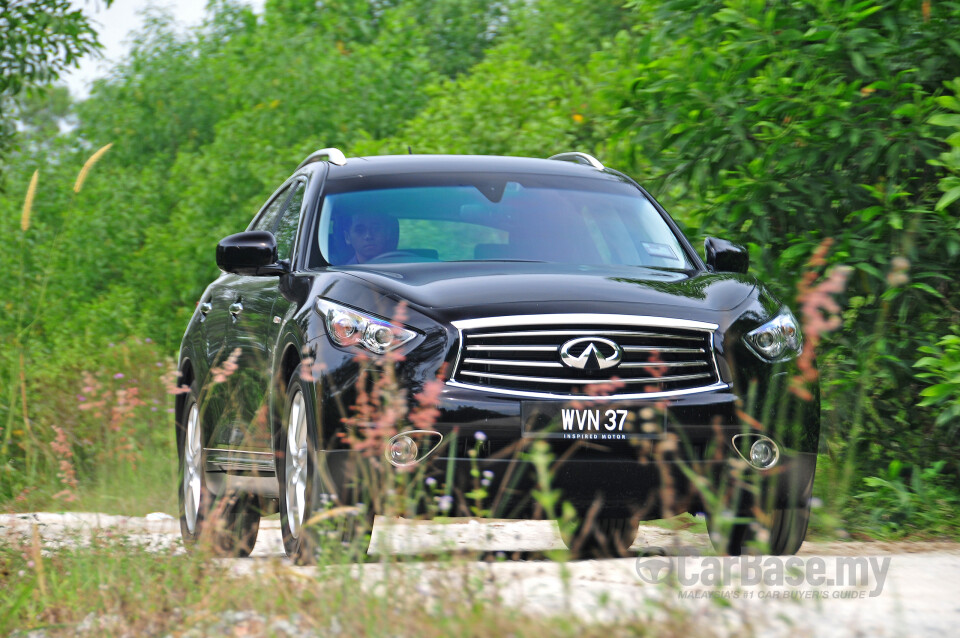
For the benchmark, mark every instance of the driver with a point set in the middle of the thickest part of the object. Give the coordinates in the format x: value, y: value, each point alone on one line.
x: 371, y: 234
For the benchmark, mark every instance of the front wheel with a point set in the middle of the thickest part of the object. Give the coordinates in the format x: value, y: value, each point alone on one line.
x: 788, y: 528
x: 602, y: 537
x: 309, y: 518
x: 230, y: 522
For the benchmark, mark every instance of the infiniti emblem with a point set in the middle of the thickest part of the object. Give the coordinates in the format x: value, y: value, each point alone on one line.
x: 590, y: 353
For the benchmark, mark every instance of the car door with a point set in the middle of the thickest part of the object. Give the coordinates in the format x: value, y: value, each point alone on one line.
x: 236, y: 390
x: 213, y: 318
x: 253, y: 329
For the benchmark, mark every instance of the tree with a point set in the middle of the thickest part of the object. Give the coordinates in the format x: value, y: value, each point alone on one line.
x: 781, y: 124
x: 39, y: 39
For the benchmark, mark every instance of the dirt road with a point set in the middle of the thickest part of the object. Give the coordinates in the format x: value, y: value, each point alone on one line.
x: 870, y: 589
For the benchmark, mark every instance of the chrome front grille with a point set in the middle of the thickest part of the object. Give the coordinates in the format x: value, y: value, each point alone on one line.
x: 522, y: 355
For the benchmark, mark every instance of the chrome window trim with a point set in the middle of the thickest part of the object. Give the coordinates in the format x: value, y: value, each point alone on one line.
x: 573, y: 318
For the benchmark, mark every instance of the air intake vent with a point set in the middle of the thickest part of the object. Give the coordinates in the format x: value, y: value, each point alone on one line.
x: 584, y: 358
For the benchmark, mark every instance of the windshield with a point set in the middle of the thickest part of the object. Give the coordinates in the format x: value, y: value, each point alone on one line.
x: 517, y: 218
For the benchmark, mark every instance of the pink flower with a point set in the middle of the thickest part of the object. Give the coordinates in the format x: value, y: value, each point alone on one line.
x: 118, y: 375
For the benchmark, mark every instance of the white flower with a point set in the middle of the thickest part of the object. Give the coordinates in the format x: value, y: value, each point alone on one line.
x: 444, y: 503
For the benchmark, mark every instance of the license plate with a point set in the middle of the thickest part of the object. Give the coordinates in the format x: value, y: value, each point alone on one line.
x: 605, y: 422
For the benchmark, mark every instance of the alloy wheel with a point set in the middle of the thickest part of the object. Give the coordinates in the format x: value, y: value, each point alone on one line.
x: 296, y: 464
x: 191, y: 469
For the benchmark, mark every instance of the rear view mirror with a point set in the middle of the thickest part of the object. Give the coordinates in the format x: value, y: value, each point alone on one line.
x: 725, y: 256
x: 249, y: 253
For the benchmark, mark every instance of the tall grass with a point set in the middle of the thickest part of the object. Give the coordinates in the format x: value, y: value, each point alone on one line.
x: 110, y: 586
x: 97, y: 435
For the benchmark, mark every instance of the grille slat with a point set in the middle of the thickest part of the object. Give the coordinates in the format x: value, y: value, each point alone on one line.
x: 525, y: 357
x: 581, y: 333
x: 663, y: 364
x: 501, y: 362
x: 657, y: 349
x: 509, y: 377
x: 512, y: 348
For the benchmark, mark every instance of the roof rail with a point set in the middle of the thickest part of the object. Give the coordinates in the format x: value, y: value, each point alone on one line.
x: 579, y: 158
x: 332, y: 155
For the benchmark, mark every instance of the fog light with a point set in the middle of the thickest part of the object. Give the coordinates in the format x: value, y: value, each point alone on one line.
x: 402, y: 450
x: 764, y: 454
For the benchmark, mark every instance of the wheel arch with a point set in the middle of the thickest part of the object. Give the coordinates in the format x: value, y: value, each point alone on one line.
x: 287, y: 364
x: 185, y: 377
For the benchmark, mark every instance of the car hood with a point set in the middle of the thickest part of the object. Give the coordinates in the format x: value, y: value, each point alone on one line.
x: 520, y: 287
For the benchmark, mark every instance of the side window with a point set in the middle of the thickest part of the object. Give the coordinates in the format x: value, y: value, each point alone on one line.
x: 286, y: 229
x: 268, y: 220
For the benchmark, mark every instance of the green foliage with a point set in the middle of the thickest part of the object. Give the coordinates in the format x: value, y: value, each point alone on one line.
x: 781, y: 125
x: 110, y: 582
x: 508, y: 105
x: 910, y: 500
x: 777, y: 125
x: 949, y: 159
x: 41, y: 38
x: 942, y: 367
x: 40, y: 114
x: 104, y: 428
x: 793, y: 123
x: 195, y: 153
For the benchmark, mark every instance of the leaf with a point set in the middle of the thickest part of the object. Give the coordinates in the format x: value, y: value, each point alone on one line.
x: 869, y: 269
x: 948, y: 198
x: 926, y: 362
x: 928, y: 288
x: 949, y: 102
x: 939, y: 390
x: 860, y: 64
x: 945, y: 119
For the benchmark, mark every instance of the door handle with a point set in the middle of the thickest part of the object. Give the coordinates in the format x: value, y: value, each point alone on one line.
x: 236, y: 308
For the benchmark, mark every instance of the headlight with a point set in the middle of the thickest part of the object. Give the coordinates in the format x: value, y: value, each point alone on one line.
x: 777, y: 340
x: 349, y: 327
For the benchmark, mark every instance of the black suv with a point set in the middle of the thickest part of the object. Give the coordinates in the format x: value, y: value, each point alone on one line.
x: 524, y: 309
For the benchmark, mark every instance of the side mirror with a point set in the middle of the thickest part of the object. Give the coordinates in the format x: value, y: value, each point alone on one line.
x: 724, y: 256
x: 249, y: 253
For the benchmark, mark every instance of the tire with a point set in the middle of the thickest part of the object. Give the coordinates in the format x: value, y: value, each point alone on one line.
x: 786, y: 533
x: 309, y: 520
x: 602, y: 537
x: 230, y: 522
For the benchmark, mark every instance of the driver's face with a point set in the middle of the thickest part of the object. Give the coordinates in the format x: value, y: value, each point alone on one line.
x: 369, y: 235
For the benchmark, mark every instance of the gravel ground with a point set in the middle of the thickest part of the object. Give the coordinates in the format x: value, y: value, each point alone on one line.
x: 902, y: 589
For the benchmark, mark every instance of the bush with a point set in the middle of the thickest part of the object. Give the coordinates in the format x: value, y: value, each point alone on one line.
x: 779, y: 125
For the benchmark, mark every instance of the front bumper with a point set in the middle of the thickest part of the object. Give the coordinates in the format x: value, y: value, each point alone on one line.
x: 686, y: 463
